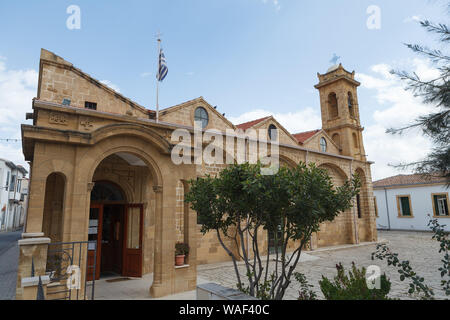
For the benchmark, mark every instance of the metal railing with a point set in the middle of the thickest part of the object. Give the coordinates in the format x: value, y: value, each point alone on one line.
x: 64, y: 267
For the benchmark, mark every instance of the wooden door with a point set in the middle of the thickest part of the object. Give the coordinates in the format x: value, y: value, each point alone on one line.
x: 118, y: 239
x: 95, y: 237
x: 107, y: 254
x: 132, y: 251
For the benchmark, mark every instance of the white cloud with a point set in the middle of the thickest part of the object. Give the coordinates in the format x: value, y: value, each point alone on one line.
x: 303, y: 120
x: 17, y: 89
x: 395, y: 107
x: 276, y: 4
x: 111, y: 85
x: 146, y: 74
x: 415, y: 18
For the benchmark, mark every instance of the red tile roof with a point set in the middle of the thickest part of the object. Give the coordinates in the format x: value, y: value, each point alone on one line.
x: 303, y: 136
x: 410, y: 179
x: 244, y: 126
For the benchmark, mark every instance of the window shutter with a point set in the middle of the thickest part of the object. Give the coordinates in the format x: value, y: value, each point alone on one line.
x: 406, y: 210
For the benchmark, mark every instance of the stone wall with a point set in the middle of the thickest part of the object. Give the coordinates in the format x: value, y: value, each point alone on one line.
x: 339, y: 231
x: 60, y: 80
x: 314, y: 144
x: 184, y: 115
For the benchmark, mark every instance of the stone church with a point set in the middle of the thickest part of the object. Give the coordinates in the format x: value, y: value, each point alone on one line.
x: 101, y: 173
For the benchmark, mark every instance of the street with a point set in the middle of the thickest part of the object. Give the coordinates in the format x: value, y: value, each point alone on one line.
x: 9, y: 254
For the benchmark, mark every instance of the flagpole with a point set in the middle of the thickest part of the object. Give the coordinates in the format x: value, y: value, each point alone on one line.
x: 157, y: 80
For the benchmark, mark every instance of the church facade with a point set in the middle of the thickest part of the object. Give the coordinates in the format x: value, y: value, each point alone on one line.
x: 101, y: 171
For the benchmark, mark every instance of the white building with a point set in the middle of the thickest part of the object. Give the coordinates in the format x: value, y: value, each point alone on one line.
x: 13, y: 195
x: 404, y: 202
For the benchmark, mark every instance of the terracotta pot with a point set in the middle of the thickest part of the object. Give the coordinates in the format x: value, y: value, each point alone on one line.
x: 179, y: 260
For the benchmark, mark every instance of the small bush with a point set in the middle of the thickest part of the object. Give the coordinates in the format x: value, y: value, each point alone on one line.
x: 305, y: 292
x: 181, y: 249
x: 353, y: 286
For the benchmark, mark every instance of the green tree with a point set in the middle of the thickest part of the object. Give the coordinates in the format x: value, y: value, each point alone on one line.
x: 241, y: 203
x: 436, y: 92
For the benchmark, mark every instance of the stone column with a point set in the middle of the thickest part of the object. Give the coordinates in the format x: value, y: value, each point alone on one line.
x: 190, y: 235
x: 33, y: 254
x: 313, y: 242
x: 30, y: 287
x: 354, y: 215
x: 161, y: 285
x: 35, y: 211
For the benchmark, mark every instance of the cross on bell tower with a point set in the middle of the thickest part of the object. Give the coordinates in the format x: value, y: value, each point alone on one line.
x: 340, y: 110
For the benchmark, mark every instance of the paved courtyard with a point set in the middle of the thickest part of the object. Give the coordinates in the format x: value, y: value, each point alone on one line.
x: 417, y: 247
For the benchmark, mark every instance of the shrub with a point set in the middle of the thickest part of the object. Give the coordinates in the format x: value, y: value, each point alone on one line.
x: 305, y: 292
x: 181, y: 249
x: 353, y: 286
x: 417, y: 285
x: 440, y: 235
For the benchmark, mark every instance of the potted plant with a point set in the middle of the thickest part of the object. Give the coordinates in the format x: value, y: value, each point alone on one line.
x: 181, y: 250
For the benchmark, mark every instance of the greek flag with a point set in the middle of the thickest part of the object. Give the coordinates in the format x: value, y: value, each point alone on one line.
x: 162, y: 70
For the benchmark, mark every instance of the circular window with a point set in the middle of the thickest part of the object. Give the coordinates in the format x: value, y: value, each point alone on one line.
x: 272, y: 132
x: 323, y: 145
x: 201, y: 115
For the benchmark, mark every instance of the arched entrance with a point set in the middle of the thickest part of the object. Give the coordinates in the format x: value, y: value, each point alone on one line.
x: 338, y: 231
x: 116, y: 216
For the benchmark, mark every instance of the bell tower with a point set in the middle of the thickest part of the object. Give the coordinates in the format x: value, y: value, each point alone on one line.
x: 340, y: 110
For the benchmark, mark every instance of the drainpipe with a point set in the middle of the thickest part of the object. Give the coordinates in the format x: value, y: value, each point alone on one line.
x: 248, y: 218
x: 310, y: 240
x: 387, y: 208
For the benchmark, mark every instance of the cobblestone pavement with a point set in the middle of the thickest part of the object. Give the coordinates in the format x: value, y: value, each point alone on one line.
x: 417, y: 247
x: 9, y: 255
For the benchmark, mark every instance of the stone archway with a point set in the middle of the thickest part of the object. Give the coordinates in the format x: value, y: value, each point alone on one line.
x: 120, y: 202
x: 287, y: 162
x: 340, y: 230
x: 161, y: 189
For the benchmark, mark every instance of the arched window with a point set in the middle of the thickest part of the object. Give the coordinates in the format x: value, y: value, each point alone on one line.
x: 105, y: 191
x: 351, y: 109
x: 355, y: 140
x: 52, y: 224
x: 201, y: 115
x: 332, y: 106
x: 358, y: 206
x: 323, y: 145
x: 337, y: 139
x: 272, y: 132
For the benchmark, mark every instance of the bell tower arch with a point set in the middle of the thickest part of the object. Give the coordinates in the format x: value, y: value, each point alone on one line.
x: 340, y: 110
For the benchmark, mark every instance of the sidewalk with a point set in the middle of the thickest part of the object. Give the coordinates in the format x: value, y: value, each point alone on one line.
x: 9, y: 256
x: 137, y: 289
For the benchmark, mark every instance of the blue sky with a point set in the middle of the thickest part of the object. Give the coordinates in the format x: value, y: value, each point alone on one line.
x: 248, y: 57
